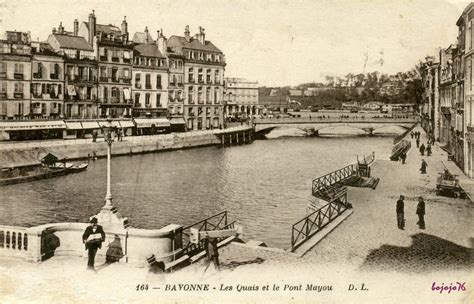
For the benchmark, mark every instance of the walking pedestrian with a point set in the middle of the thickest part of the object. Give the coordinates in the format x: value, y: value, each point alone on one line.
x: 412, y: 134
x: 417, y: 142
x: 92, y: 238
x: 400, y: 212
x: 428, y: 150
x: 422, y: 149
x: 424, y: 165
x: 403, y: 157
x: 420, y: 211
x: 212, y: 252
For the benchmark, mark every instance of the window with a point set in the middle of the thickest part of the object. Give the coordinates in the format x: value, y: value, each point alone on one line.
x: 191, y: 75
x: 158, y: 100
x: 180, y: 64
x: 208, y: 76
x: 190, y: 95
x: 215, y: 96
x: 147, y: 81
x: 137, y: 81
x: 217, y: 79
x: 147, y: 99
x: 200, y: 76
x: 126, y: 73
x: 200, y: 100
x: 208, y: 95
x: 106, y: 95
x: 114, y: 74
x: 158, y: 81
x: 137, y: 98
x: 3, y: 69
x: 18, y: 87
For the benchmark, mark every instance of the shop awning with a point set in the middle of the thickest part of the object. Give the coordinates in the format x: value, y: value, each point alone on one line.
x: 115, y: 123
x: 31, y: 125
x: 73, y: 125
x: 177, y: 121
x: 149, y: 122
x: 90, y: 125
x: 126, y: 124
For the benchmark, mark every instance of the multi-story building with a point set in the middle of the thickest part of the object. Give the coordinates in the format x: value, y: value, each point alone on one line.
x: 447, y: 94
x: 115, y: 56
x: 240, y: 96
x: 176, y: 84
x: 204, y: 66
x: 150, y: 78
x: 464, y: 108
x: 47, y: 82
x: 15, y: 75
x: 80, y: 86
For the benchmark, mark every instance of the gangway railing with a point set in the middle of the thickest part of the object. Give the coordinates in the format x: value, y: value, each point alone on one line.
x: 304, y: 229
x: 218, y: 221
x: 323, y: 183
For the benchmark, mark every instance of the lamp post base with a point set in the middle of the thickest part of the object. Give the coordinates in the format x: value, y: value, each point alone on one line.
x: 110, y: 217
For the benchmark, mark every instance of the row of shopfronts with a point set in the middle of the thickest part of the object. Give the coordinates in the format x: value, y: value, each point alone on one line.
x: 80, y: 129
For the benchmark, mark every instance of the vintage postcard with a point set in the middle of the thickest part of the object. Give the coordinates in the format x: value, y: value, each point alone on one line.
x: 236, y: 151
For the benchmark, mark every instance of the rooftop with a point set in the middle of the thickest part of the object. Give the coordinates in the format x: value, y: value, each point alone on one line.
x: 193, y: 43
x: 148, y: 50
x: 72, y: 42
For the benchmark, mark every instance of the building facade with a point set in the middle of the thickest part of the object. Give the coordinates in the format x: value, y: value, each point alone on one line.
x: 47, y: 82
x: 15, y: 76
x: 204, y: 66
x: 80, y: 70
x: 240, y: 96
x: 150, y: 80
x: 114, y: 52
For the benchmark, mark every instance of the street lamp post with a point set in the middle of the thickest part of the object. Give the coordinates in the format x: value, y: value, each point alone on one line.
x: 108, y: 215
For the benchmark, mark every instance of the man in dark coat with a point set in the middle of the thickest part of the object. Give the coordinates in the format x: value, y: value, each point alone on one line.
x: 420, y: 211
x: 212, y: 252
x: 93, y: 238
x: 403, y: 157
x: 417, y: 142
x: 422, y: 149
x: 428, y: 150
x: 400, y: 212
x: 423, y: 166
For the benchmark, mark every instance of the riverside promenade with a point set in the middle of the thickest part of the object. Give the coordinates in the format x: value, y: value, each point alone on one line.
x: 396, y: 266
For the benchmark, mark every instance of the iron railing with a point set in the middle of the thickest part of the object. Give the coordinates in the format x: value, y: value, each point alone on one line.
x: 324, y: 182
x: 311, y: 224
x: 218, y: 221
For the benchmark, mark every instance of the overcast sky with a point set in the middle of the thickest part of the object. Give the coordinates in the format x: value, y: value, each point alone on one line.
x: 283, y: 42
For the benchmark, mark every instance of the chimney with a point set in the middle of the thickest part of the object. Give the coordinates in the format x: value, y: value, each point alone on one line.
x: 76, y: 27
x: 161, y: 42
x: 54, y: 30
x: 92, y: 24
x: 186, y: 33
x: 61, y: 28
x: 146, y: 35
x: 202, y: 36
x: 124, y: 28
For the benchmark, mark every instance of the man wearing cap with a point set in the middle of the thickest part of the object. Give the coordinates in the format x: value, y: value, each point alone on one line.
x: 420, y: 211
x: 93, y: 238
x: 400, y: 212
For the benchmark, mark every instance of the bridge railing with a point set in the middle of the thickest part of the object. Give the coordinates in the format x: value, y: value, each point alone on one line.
x: 324, y: 182
x: 304, y: 229
x: 317, y: 119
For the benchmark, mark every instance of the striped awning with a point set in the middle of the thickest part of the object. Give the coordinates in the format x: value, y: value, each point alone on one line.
x: 31, y: 125
x: 126, y: 124
x: 115, y: 123
x: 150, y: 122
x: 90, y: 125
x: 177, y: 121
x: 73, y: 125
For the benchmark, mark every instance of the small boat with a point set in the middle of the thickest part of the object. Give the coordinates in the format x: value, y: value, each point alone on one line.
x: 39, y: 173
x: 78, y: 168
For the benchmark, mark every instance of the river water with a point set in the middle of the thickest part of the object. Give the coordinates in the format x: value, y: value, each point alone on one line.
x: 265, y: 186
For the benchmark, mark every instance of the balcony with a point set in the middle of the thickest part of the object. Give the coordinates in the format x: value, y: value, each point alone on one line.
x: 191, y: 114
x: 191, y: 80
x: 127, y: 80
x: 115, y: 59
x: 53, y: 96
x: 200, y: 79
x: 114, y: 79
x: 37, y: 76
x: 148, y: 105
x: 125, y: 60
x: 103, y: 58
x: 54, y: 76
x: 103, y: 79
x: 18, y: 76
x: 180, y: 84
x: 148, y: 86
x: 17, y: 95
x: 37, y: 110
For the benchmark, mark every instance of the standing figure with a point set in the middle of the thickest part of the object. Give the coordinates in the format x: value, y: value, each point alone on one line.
x: 422, y: 149
x: 417, y: 142
x: 420, y: 211
x: 424, y: 165
x: 412, y: 134
x: 400, y: 212
x: 212, y: 252
x: 403, y: 156
x: 428, y: 150
x: 92, y: 238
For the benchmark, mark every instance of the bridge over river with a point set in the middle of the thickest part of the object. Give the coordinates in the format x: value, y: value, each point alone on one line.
x: 368, y: 124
